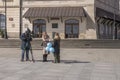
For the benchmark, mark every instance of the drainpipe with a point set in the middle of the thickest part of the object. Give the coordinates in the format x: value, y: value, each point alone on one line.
x: 6, y: 37
x: 20, y: 19
x: 114, y: 27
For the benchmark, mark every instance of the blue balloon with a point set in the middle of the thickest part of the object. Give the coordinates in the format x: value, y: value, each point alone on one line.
x: 49, y: 44
x: 52, y: 50
x: 47, y: 48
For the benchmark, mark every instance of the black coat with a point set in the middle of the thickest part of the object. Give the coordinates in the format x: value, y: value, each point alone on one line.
x: 25, y: 42
x: 56, y: 45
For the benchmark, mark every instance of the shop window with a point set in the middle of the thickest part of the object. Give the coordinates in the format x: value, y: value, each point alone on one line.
x: 71, y: 28
x: 39, y: 26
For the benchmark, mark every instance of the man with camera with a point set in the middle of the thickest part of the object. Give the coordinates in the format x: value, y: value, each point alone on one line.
x: 26, y: 45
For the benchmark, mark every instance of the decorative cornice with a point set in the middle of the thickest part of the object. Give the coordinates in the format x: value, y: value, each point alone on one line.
x: 10, y: 6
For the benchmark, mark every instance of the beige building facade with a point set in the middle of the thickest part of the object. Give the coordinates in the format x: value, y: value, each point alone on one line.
x: 79, y: 19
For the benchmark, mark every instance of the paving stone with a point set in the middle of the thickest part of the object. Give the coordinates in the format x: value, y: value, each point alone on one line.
x: 76, y: 64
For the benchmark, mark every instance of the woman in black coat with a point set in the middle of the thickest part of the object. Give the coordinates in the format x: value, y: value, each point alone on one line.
x: 56, y: 46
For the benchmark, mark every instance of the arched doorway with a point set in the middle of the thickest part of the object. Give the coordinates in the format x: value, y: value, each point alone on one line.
x: 39, y: 26
x: 71, y: 28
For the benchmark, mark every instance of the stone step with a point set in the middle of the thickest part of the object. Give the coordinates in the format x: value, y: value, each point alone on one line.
x: 66, y: 43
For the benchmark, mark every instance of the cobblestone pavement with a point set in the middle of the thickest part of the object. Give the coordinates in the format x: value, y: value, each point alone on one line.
x: 76, y: 64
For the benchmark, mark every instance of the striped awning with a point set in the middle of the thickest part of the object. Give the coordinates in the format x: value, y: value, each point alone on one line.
x: 54, y: 12
x: 106, y: 14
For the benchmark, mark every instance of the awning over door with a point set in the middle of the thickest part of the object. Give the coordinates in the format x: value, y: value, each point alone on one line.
x: 54, y: 12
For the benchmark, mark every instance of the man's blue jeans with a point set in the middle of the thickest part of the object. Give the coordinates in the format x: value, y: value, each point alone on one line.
x: 27, y: 54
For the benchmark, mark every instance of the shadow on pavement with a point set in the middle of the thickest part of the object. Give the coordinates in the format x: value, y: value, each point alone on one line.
x: 66, y: 61
x: 73, y: 61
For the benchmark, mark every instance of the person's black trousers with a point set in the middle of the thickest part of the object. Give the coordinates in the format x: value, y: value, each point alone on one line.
x: 44, y: 57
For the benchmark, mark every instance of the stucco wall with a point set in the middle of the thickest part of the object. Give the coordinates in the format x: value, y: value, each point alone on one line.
x: 58, y: 3
x: 91, y: 24
x: 9, y: 3
x: 13, y: 25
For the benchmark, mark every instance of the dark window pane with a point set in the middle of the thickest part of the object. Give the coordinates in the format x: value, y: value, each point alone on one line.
x: 75, y: 29
x: 68, y: 29
x: 36, y: 29
x: 43, y: 28
x: 2, y: 21
x: 54, y: 25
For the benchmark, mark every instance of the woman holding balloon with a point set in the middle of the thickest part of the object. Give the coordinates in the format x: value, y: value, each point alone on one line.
x: 45, y: 39
x: 54, y: 48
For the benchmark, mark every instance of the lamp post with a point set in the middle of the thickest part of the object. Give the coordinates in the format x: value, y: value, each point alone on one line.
x: 6, y: 37
x: 114, y: 27
x: 21, y: 3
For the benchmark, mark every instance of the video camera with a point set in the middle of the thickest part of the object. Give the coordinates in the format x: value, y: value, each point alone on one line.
x: 28, y: 35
